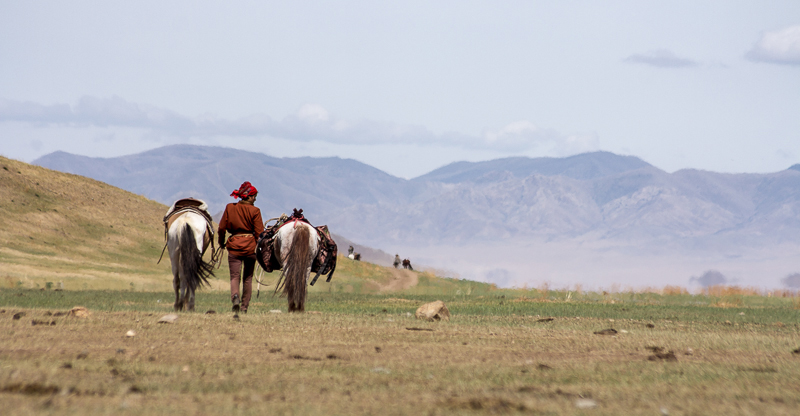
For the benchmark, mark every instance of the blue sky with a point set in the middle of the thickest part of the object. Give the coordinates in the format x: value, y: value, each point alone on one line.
x: 407, y: 86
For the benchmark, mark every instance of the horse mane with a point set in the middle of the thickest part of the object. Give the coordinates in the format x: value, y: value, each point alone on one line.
x: 192, y: 265
x: 294, y: 271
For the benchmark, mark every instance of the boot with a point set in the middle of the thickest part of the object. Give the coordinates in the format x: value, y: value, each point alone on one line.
x: 236, y: 303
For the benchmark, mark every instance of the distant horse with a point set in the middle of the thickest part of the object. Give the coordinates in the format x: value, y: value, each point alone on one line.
x: 352, y: 255
x: 189, y: 234
x: 297, y: 243
x: 407, y: 264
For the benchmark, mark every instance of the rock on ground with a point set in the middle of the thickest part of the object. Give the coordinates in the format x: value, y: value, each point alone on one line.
x: 168, y: 319
x: 434, y: 311
x: 79, y: 312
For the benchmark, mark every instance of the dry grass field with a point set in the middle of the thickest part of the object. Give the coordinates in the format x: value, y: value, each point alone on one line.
x: 367, y: 354
x: 359, y: 349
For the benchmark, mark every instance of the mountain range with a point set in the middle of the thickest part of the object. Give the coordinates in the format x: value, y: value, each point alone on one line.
x: 599, y: 195
x: 597, y: 198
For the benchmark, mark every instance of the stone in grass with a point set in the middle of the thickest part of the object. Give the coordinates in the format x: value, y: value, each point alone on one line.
x: 585, y: 403
x: 168, y: 319
x: 434, y: 311
x: 608, y: 331
x: 130, y: 334
x: 79, y: 312
x: 665, y: 356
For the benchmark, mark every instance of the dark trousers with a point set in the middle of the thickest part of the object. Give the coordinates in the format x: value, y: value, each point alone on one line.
x: 242, y: 268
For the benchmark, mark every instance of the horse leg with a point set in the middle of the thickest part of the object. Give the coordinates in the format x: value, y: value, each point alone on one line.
x: 178, y: 305
x: 184, y: 294
x: 190, y: 295
x: 302, y: 306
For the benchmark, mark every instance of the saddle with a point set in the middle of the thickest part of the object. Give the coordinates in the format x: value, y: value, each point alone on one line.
x: 188, y: 204
x: 325, y: 260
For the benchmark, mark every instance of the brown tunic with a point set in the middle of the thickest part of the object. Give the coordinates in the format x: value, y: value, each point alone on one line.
x: 243, y: 222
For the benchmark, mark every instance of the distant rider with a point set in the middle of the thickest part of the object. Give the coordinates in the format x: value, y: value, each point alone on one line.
x: 243, y: 221
x: 396, y: 260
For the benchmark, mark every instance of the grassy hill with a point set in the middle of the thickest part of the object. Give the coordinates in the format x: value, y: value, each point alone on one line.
x: 59, y: 230
x: 63, y: 230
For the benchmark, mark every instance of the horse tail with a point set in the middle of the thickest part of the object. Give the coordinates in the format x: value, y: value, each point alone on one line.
x: 193, y: 268
x: 294, y: 285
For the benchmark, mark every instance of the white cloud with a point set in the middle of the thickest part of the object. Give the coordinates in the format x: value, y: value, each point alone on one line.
x: 778, y: 47
x: 524, y: 135
x: 661, y: 58
x: 92, y: 111
x: 313, y: 113
x: 311, y: 122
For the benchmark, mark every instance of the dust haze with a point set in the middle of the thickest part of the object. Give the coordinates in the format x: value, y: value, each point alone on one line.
x: 603, y: 266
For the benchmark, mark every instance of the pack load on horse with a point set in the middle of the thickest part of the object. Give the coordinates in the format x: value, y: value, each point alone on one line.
x: 296, y: 248
x: 188, y: 232
x: 407, y: 264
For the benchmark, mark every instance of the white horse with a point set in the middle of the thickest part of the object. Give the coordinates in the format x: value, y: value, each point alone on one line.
x: 297, y: 243
x: 187, y: 239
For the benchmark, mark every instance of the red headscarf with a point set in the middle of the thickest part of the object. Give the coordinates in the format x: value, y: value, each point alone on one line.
x: 244, y: 191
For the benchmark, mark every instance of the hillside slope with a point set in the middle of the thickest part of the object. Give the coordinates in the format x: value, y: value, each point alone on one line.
x: 76, y: 232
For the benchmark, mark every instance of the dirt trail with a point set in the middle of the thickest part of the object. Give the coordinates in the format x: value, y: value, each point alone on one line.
x: 401, y: 279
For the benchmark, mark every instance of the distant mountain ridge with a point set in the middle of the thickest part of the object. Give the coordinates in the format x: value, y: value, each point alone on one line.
x: 212, y: 173
x: 596, y: 196
x: 583, y: 166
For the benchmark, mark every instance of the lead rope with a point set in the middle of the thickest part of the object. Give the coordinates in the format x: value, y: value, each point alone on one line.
x: 162, y: 253
x: 260, y: 272
x: 166, y: 242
